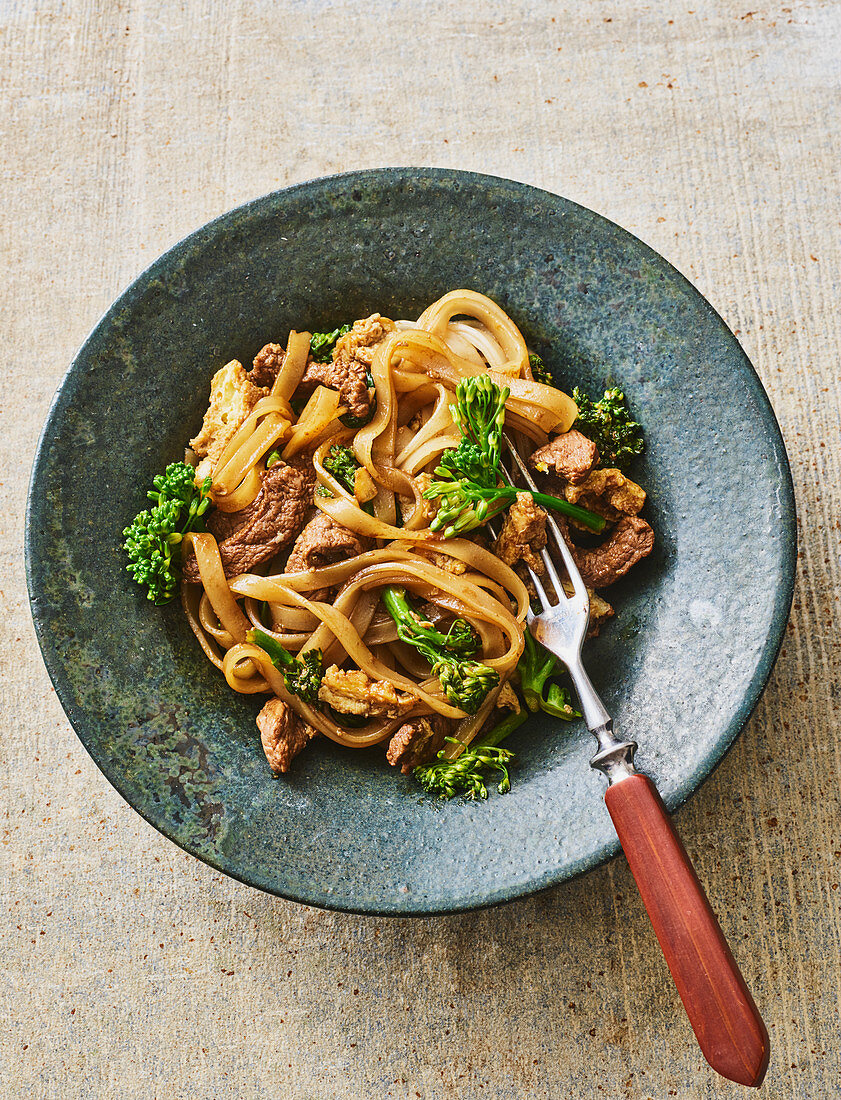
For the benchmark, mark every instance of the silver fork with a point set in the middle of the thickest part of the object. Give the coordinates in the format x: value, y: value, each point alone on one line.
x: 722, y: 1012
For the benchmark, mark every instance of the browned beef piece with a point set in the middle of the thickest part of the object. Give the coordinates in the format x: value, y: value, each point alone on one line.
x: 572, y: 455
x: 352, y: 359
x: 283, y: 734
x: 630, y: 541
x: 523, y: 534
x: 269, y: 523
x: 302, y: 462
x: 417, y: 742
x: 266, y: 366
x: 322, y: 542
x: 348, y: 376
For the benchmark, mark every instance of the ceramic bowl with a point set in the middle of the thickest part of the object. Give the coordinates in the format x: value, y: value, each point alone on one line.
x: 698, y: 624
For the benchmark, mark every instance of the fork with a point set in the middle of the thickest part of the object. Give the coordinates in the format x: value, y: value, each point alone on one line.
x: 722, y: 1012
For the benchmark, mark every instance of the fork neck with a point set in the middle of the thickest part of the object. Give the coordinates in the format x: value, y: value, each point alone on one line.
x: 614, y: 758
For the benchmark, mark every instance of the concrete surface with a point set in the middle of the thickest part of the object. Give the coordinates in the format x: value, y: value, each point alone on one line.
x: 713, y: 133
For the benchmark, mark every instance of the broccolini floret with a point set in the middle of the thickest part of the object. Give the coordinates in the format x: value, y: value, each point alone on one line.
x: 540, y: 372
x: 153, y: 539
x: 608, y: 423
x: 466, y: 683
x: 447, y: 778
x: 341, y: 463
x: 322, y: 343
x: 468, y: 476
x: 534, y: 669
x: 302, y: 675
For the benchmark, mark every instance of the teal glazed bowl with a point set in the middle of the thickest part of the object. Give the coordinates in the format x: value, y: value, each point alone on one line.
x: 698, y: 624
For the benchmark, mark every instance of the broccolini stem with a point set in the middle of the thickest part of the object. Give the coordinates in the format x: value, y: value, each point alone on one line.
x: 495, y: 501
x: 447, y: 778
x: 500, y: 731
x: 278, y: 655
x: 574, y: 511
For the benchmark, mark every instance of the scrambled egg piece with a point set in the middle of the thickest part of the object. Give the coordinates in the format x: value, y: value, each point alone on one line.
x: 232, y: 397
x: 354, y: 692
x: 361, y: 342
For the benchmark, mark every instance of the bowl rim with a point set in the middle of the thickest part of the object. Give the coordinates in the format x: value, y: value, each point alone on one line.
x: 783, y: 596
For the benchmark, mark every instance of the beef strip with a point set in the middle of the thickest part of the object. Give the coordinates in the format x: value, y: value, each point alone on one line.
x: 266, y: 365
x: 417, y: 742
x: 608, y: 493
x: 572, y: 455
x: 349, y: 378
x: 283, y: 734
x: 630, y: 541
x: 352, y: 358
x: 257, y: 532
x: 523, y: 534
x: 322, y: 542
x: 302, y: 462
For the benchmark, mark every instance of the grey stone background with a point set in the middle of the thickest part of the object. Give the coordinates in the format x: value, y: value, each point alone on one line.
x: 132, y: 971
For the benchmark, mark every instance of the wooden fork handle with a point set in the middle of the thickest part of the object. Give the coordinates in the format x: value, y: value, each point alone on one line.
x: 725, y: 1019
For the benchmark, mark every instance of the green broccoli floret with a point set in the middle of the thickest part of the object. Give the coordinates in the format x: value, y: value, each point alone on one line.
x: 608, y: 423
x: 540, y: 372
x: 466, y: 683
x: 302, y: 675
x: 341, y: 463
x: 468, y: 487
x: 153, y: 539
x: 322, y: 343
x: 535, y: 667
x: 447, y: 778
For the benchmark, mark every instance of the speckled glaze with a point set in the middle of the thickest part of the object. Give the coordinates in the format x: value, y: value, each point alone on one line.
x: 698, y: 624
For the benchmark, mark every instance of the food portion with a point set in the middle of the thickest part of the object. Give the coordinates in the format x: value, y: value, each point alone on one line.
x: 348, y: 544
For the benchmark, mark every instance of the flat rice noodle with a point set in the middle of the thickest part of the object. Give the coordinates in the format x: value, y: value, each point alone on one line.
x: 342, y: 629
x: 317, y: 417
x: 470, y: 303
x: 212, y: 574
x: 372, y: 734
x: 293, y: 366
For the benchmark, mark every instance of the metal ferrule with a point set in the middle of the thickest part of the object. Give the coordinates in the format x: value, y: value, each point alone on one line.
x: 614, y: 758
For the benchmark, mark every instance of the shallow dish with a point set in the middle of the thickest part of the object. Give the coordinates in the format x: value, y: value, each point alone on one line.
x: 698, y: 624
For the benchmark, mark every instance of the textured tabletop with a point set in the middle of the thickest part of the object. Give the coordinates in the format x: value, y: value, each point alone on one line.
x: 133, y: 971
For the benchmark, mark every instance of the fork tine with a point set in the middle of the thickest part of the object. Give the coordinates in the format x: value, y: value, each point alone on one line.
x: 552, y: 572
x: 538, y: 586
x: 578, y: 585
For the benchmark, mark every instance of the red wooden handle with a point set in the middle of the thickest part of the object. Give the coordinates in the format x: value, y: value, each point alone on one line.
x: 724, y: 1018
